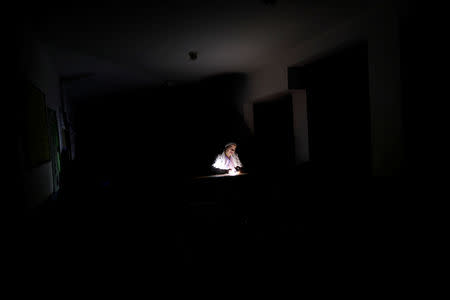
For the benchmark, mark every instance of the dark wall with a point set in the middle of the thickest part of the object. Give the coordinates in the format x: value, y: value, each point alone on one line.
x: 338, y: 104
x: 172, y: 131
x: 420, y: 90
x: 274, y: 133
x: 208, y: 117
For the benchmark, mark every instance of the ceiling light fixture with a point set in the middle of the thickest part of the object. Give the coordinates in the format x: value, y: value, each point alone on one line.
x: 193, y: 55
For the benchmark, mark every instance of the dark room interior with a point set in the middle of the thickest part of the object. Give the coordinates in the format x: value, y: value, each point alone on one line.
x: 123, y: 109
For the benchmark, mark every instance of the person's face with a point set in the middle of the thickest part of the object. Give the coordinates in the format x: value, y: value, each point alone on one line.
x: 230, y: 150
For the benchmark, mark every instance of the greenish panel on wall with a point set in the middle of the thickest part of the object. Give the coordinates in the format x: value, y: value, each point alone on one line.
x: 54, y: 146
x: 36, y: 133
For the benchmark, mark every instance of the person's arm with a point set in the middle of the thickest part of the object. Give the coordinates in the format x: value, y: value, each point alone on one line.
x: 239, y: 163
x: 218, y: 171
x: 215, y: 168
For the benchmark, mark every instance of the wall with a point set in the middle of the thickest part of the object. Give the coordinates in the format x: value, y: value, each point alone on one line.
x: 273, y: 78
x: 300, y: 120
x: 385, y: 91
x: 177, y: 129
x: 379, y: 27
x: 36, y: 67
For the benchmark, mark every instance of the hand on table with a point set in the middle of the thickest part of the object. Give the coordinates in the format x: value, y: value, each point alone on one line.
x: 233, y: 172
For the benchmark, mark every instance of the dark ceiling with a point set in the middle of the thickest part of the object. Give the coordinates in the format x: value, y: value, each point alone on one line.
x: 128, y: 43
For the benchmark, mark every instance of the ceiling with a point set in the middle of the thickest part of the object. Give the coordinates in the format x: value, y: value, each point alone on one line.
x: 119, y: 45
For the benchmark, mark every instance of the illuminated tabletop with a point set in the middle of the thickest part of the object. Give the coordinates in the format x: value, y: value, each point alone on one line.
x: 221, y: 175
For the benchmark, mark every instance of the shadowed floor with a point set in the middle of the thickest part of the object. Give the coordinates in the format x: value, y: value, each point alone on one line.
x: 294, y: 218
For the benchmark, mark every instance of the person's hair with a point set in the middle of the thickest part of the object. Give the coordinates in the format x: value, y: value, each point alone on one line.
x: 230, y: 144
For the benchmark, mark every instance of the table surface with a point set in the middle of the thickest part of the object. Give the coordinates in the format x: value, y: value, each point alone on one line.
x: 220, y: 175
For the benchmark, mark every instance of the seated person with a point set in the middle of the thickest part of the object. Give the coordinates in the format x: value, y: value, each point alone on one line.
x: 228, y: 161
